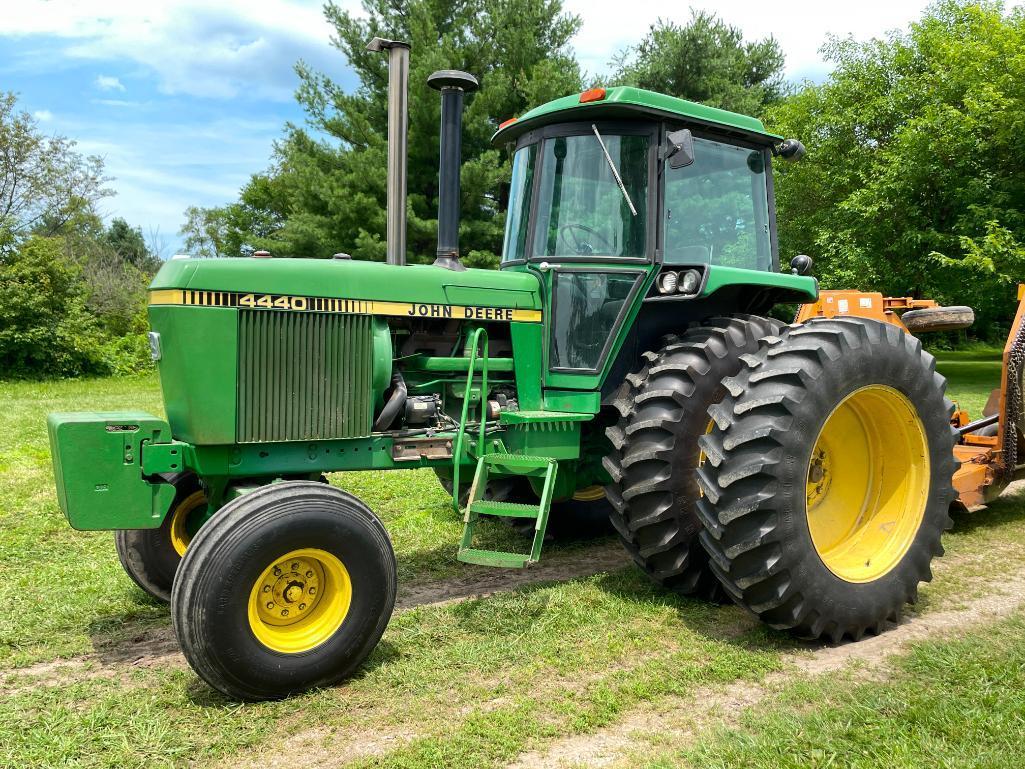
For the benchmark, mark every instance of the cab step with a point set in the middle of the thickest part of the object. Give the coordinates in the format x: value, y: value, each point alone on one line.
x: 522, y: 465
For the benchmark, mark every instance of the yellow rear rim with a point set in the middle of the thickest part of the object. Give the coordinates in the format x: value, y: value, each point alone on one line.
x: 701, y: 454
x: 299, y: 601
x: 590, y: 494
x: 868, y: 482
x: 180, y: 536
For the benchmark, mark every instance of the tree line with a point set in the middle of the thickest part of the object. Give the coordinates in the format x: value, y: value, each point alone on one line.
x: 914, y: 182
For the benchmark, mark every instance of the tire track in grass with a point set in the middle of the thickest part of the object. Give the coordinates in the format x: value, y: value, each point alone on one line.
x: 157, y: 647
x: 678, y: 720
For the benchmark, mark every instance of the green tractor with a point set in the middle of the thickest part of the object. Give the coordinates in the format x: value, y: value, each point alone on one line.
x: 621, y: 360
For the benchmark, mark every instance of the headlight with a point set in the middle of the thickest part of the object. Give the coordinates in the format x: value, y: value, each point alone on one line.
x: 667, y: 282
x: 690, y: 281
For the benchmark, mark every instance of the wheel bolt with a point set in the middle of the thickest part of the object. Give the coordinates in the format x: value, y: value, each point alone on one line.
x: 302, y: 606
x: 277, y: 572
x: 284, y: 612
x: 295, y: 566
x: 270, y: 604
x: 266, y: 588
x: 313, y: 590
x: 309, y: 574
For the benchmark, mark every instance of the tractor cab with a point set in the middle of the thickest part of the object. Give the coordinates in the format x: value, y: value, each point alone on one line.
x: 619, y: 194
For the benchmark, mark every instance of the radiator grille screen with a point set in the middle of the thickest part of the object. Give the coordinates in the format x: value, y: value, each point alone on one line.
x: 303, y: 376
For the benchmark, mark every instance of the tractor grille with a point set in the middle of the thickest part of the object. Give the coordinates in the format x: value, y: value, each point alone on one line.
x: 303, y: 376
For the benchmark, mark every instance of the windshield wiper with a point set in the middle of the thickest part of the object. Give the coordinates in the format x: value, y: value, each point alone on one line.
x: 615, y: 171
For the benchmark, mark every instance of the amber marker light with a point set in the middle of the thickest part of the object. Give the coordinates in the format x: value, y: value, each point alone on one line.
x: 592, y: 94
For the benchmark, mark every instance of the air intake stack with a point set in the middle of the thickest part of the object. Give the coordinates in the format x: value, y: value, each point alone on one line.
x: 452, y: 84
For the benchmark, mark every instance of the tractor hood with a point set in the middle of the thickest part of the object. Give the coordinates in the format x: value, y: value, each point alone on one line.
x: 383, y: 289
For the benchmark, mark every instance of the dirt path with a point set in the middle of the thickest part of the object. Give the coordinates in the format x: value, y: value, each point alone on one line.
x: 677, y: 720
x: 157, y: 647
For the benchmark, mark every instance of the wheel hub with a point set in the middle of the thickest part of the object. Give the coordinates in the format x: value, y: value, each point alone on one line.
x: 819, y: 476
x: 289, y: 591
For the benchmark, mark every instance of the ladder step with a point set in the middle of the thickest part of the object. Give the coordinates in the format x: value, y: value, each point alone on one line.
x: 493, y: 558
x: 505, y: 509
x: 517, y: 460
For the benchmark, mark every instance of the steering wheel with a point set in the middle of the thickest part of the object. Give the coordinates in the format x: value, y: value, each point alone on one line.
x: 567, y: 234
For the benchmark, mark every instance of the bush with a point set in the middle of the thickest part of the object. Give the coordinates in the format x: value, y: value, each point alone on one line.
x: 45, y: 328
x: 127, y: 355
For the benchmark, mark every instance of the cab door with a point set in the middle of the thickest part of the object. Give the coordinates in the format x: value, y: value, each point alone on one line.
x: 592, y: 244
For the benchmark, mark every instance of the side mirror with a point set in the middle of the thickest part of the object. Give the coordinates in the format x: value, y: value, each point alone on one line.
x: 791, y: 149
x: 800, y: 265
x: 680, y: 149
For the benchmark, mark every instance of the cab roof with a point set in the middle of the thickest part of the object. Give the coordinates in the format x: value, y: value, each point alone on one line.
x: 626, y: 102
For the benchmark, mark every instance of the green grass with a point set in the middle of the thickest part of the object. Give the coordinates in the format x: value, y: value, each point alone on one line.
x: 470, y: 684
x: 948, y: 703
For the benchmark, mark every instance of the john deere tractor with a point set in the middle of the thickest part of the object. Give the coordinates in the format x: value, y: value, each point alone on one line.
x: 621, y: 358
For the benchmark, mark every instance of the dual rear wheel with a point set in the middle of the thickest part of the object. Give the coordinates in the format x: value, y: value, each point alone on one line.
x: 815, y: 496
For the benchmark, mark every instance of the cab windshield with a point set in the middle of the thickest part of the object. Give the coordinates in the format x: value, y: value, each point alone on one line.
x: 581, y: 208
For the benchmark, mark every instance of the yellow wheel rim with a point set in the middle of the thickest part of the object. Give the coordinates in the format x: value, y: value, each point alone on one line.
x: 180, y: 536
x: 701, y: 454
x: 299, y: 601
x: 868, y: 483
x: 590, y: 494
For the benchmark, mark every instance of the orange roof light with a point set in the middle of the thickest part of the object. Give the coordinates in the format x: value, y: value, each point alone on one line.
x: 510, y: 121
x: 592, y: 94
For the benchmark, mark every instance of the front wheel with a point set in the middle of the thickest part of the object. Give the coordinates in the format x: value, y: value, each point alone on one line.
x: 828, y: 478
x: 289, y: 587
x: 151, y: 556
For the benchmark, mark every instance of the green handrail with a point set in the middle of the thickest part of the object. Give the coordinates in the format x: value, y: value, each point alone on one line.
x: 457, y: 452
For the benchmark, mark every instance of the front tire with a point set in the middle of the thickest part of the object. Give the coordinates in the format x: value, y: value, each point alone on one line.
x: 655, y: 448
x: 151, y: 556
x: 289, y: 587
x: 828, y: 479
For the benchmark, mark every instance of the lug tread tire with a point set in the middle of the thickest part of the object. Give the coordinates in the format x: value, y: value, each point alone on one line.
x: 232, y: 549
x: 753, y: 510
x: 662, y: 412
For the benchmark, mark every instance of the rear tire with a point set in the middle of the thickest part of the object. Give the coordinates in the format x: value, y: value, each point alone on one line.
x: 151, y: 556
x: 289, y: 587
x: 828, y: 479
x: 655, y: 448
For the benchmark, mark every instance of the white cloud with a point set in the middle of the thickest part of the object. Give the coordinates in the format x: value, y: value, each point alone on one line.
x: 43, y: 115
x: 800, y: 26
x: 109, y: 83
x: 217, y: 50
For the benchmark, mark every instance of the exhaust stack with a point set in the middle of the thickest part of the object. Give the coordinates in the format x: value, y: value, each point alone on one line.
x: 398, y: 130
x: 452, y: 84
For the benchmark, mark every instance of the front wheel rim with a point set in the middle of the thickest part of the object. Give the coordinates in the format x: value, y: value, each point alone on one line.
x: 867, y: 484
x: 299, y: 601
x: 181, y: 533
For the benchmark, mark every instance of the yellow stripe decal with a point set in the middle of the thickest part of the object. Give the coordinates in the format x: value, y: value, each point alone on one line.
x: 343, y: 306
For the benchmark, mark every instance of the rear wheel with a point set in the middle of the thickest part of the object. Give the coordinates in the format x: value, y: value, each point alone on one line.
x: 655, y: 448
x: 151, y: 556
x: 828, y: 478
x: 289, y: 587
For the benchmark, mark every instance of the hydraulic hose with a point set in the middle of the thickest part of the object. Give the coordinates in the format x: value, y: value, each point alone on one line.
x: 396, y: 403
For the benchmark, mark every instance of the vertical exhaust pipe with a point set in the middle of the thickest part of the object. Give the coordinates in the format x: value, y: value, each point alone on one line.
x: 398, y: 130
x: 452, y: 84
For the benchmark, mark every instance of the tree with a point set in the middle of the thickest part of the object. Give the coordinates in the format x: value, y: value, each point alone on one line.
x: 325, y: 191
x: 705, y: 61
x: 44, y: 325
x: 130, y: 246
x: 914, y: 148
x: 44, y: 183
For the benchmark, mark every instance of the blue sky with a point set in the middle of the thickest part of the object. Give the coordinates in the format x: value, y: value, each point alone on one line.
x: 184, y: 99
